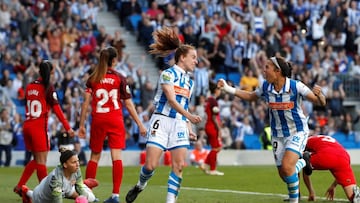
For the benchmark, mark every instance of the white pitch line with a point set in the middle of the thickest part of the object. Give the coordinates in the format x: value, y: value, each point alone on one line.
x: 252, y: 193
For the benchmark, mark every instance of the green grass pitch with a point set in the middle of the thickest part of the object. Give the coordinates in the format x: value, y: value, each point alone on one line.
x: 240, y: 184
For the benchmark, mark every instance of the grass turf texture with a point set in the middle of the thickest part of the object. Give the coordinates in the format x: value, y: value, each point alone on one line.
x: 240, y: 184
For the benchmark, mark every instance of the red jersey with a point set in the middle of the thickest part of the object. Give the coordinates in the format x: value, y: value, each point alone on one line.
x: 322, y: 143
x: 38, y: 102
x: 212, y: 109
x: 328, y: 154
x: 107, y: 95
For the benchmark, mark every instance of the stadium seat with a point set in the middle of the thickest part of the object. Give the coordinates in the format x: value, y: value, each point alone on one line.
x: 137, y: 97
x: 340, y: 137
x: 349, y: 145
x: 134, y: 21
x: 235, y: 78
x: 219, y: 76
x: 252, y: 142
x: 21, y: 111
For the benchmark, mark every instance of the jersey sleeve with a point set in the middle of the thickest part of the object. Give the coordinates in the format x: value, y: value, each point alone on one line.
x: 79, y: 185
x: 166, y: 77
x: 302, y: 89
x: 260, y: 89
x: 88, y: 88
x: 56, y: 188
x: 125, y: 92
x: 60, y: 115
x: 52, y: 97
x: 213, y: 105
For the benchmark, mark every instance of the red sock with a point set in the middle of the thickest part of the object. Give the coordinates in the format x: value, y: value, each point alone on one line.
x: 117, y: 173
x: 91, y: 169
x: 41, y: 171
x: 211, y: 160
x: 28, y: 171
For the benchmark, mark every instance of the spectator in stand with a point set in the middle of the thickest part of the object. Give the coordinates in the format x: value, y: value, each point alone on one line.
x: 6, y: 136
x: 198, y: 154
x: 336, y: 98
x: 128, y: 9
x: 154, y: 11
x: 201, y: 75
x: 318, y: 28
x: 249, y: 81
x: 226, y: 137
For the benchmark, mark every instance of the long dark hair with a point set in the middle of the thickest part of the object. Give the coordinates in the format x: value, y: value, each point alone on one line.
x: 45, y: 71
x: 283, y: 65
x: 107, y: 56
x: 166, y: 41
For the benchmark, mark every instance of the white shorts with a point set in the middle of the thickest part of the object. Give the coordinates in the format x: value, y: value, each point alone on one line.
x: 167, y: 133
x: 295, y: 143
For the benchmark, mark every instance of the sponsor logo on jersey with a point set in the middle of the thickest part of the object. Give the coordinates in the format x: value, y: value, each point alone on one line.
x: 182, y: 91
x: 166, y: 76
x: 281, y: 105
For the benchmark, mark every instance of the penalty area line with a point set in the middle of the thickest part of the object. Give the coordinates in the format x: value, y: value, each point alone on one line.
x: 253, y: 193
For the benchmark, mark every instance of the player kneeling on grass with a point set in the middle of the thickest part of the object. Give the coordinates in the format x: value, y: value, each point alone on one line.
x: 65, y: 181
x: 328, y: 154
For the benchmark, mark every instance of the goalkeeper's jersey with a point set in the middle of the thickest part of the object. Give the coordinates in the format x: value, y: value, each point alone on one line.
x: 55, y: 187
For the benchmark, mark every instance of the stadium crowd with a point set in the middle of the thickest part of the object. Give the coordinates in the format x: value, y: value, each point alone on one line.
x: 233, y: 39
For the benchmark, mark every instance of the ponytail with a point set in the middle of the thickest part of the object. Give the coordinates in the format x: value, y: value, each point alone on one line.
x: 45, y: 71
x: 106, y: 60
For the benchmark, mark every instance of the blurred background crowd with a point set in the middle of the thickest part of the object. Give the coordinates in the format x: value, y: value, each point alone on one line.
x: 233, y: 38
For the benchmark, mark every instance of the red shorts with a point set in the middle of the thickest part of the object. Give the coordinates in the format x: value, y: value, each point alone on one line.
x: 339, y: 166
x: 112, y: 129
x: 35, y: 136
x: 213, y: 138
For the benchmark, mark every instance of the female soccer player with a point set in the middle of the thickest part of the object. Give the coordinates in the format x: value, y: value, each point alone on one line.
x: 65, y: 181
x: 40, y: 97
x: 289, y: 128
x: 328, y: 154
x: 170, y: 124
x: 213, y: 130
x: 106, y: 89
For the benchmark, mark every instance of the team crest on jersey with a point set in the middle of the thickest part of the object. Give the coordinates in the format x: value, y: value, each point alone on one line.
x: 54, y: 95
x: 166, y: 76
x: 128, y: 89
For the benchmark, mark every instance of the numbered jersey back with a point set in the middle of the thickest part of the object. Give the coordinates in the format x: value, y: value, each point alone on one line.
x: 38, y: 102
x: 108, y: 93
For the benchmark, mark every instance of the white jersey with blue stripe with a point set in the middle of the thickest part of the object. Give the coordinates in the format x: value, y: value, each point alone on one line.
x: 183, y: 88
x: 285, y: 112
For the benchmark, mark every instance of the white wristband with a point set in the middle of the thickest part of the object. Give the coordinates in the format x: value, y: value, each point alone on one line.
x: 229, y: 89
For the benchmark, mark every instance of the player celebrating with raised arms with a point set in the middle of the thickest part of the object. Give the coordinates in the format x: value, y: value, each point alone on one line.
x: 289, y: 128
x: 170, y: 124
x: 105, y: 89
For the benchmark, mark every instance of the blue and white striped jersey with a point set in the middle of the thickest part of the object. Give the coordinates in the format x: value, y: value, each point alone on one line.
x: 285, y: 112
x: 183, y: 87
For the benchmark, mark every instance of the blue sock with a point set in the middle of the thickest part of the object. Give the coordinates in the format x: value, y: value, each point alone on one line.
x: 145, y: 175
x: 300, y: 164
x: 293, y: 187
x: 174, y: 183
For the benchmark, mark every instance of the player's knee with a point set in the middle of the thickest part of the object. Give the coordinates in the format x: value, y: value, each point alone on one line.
x: 286, y: 170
